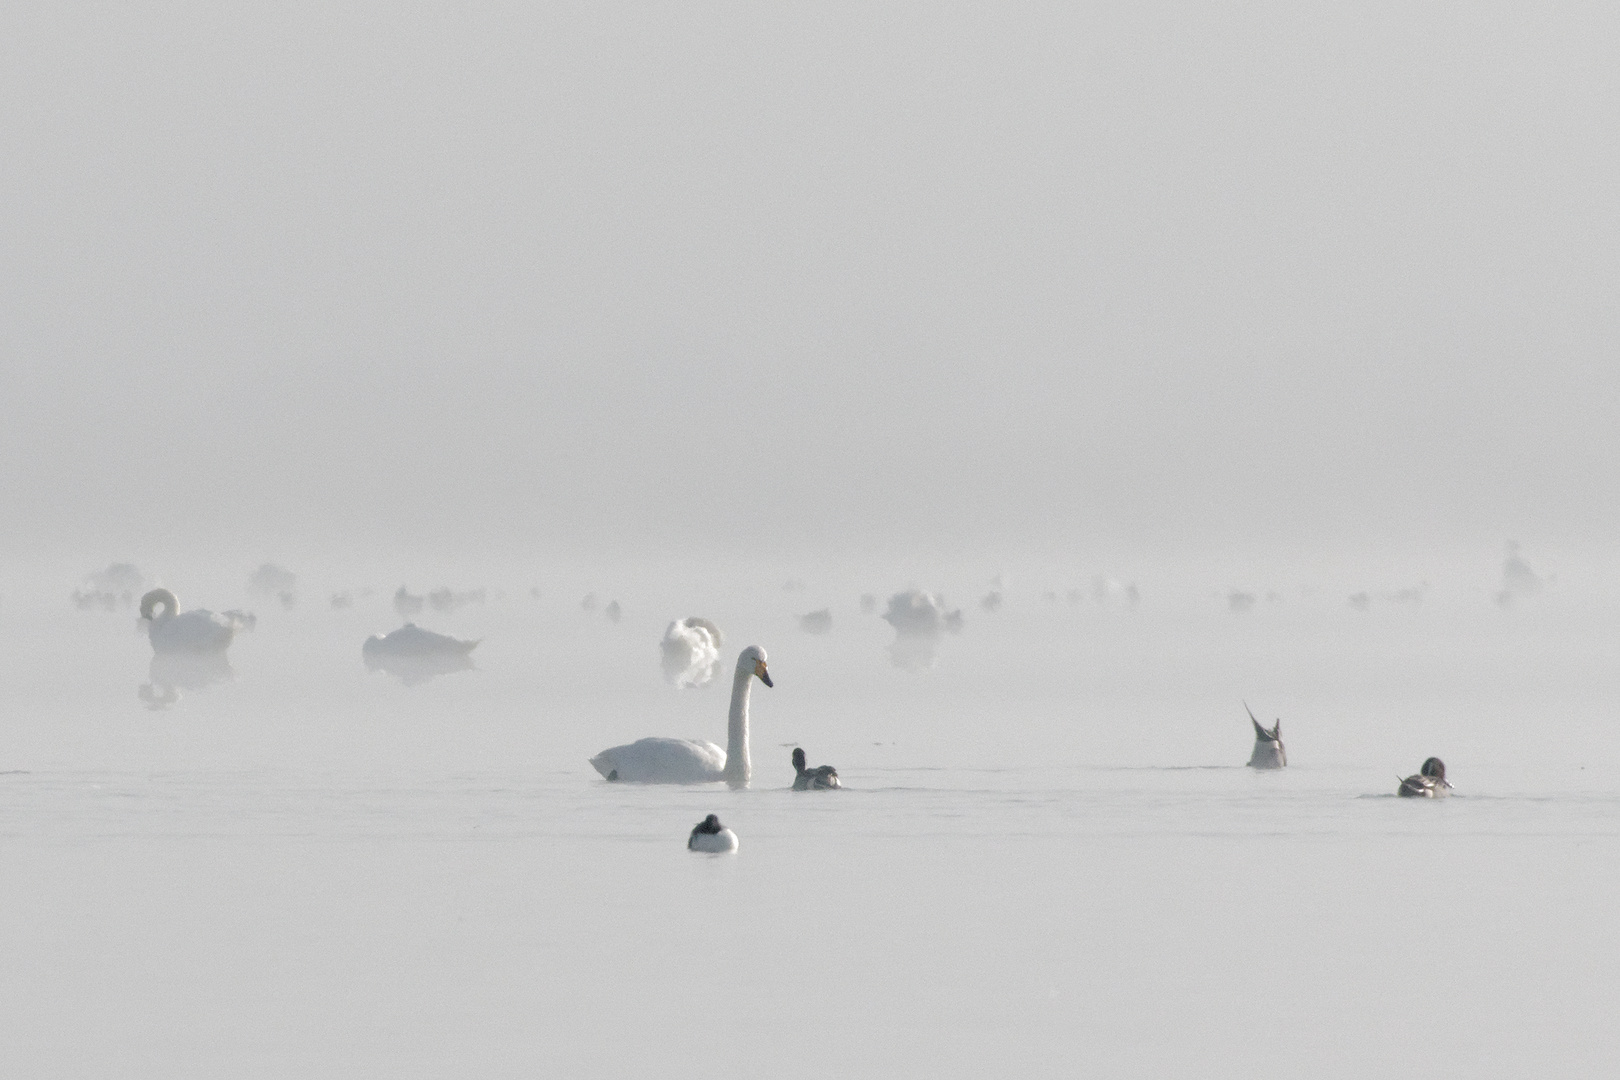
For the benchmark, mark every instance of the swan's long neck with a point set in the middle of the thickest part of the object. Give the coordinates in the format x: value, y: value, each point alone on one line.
x: 738, y: 767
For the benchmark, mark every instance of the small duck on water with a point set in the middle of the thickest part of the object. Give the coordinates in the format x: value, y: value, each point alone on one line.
x: 1268, y: 747
x: 711, y: 836
x: 1429, y: 783
x: 820, y: 778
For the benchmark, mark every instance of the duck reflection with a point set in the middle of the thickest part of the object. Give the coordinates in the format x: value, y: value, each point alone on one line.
x: 415, y: 656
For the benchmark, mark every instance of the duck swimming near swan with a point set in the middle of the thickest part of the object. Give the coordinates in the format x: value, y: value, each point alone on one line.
x: 711, y: 836
x: 1268, y: 747
x: 197, y: 631
x: 689, y: 761
x: 820, y: 778
x: 1429, y: 783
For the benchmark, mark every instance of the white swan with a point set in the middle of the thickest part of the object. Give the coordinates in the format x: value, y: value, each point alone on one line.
x: 414, y: 655
x: 173, y: 631
x: 685, y: 761
x: 691, y: 652
x: 411, y: 640
x: 711, y: 836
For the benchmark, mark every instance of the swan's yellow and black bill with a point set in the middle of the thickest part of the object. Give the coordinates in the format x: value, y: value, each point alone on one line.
x: 764, y: 676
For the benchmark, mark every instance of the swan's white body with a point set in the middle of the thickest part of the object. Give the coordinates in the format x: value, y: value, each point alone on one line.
x: 691, y: 652
x: 198, y: 631
x: 411, y: 640
x: 415, y: 656
x: 689, y: 761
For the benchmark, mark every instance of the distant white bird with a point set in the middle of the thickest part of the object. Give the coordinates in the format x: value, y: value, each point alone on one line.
x: 279, y: 582
x: 1268, y: 747
x: 691, y: 652
x: 685, y: 761
x: 710, y: 836
x: 109, y: 589
x: 407, y: 604
x: 1519, y: 581
x: 816, y: 622
x: 918, y: 618
x: 448, y: 600
x: 172, y: 631
x: 415, y: 655
x: 919, y: 614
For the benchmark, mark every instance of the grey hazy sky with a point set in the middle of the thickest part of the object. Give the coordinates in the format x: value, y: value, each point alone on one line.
x: 809, y: 276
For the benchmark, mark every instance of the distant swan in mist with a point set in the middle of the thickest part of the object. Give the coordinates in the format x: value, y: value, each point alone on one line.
x: 275, y: 581
x: 711, y: 836
x: 198, y: 631
x: 1268, y: 747
x: 1429, y: 783
x: 414, y: 655
x: 109, y: 589
x: 408, y: 603
x: 816, y: 622
x: 684, y: 761
x: 691, y: 652
x: 820, y: 778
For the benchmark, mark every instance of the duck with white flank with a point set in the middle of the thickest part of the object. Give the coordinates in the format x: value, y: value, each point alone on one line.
x: 1429, y: 783
x: 711, y: 836
x: 820, y: 778
x: 1268, y: 747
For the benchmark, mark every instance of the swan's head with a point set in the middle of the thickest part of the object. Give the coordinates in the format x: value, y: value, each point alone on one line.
x: 752, y: 660
x: 156, y: 599
x: 798, y: 759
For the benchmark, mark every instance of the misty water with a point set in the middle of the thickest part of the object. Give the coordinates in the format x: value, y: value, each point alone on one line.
x: 1048, y: 858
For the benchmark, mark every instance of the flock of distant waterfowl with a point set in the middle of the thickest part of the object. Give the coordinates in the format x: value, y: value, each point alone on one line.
x: 691, y: 648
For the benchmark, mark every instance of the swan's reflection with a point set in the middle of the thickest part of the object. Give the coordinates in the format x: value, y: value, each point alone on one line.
x: 172, y: 673
x: 415, y: 656
x: 918, y: 619
x: 912, y: 653
x: 189, y: 648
